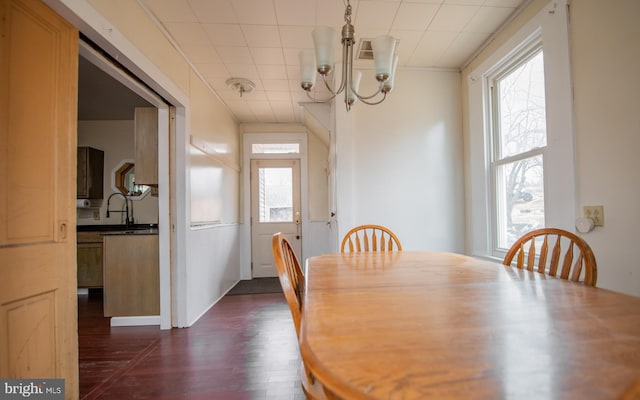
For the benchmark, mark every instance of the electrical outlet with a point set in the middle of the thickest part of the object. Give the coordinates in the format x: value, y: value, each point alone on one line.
x: 96, y: 215
x: 595, y: 213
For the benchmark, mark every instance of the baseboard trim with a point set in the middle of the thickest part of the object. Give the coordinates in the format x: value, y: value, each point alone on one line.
x: 136, y: 321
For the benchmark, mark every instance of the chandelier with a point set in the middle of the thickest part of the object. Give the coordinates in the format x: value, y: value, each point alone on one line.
x: 324, y: 40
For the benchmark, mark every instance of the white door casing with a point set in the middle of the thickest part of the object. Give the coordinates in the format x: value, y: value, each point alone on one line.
x: 275, y: 207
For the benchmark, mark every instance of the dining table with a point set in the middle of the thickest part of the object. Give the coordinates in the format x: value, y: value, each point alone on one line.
x: 436, y: 325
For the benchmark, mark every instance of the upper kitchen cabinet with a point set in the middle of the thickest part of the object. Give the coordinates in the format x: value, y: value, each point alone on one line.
x: 90, y: 173
x: 146, y: 133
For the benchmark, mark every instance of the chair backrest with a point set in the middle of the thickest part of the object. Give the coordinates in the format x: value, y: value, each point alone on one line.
x: 559, y: 247
x: 370, y: 238
x: 290, y: 275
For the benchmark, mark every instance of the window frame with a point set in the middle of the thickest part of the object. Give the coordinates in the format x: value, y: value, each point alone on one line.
x: 528, y: 50
x: 550, y: 24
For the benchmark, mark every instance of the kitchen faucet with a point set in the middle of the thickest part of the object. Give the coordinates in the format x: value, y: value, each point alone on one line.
x: 126, y: 206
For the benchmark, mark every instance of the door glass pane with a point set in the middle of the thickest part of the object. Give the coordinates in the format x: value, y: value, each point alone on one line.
x: 275, y: 194
x: 521, y: 108
x: 520, y: 195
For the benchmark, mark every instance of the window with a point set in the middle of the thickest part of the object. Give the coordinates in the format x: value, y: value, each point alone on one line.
x: 275, y: 194
x: 275, y: 148
x: 519, y: 138
x: 520, y: 141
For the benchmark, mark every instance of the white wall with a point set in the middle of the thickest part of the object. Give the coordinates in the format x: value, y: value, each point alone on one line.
x: 212, y: 251
x: 401, y: 162
x: 604, y: 66
x: 116, y: 139
x: 606, y: 61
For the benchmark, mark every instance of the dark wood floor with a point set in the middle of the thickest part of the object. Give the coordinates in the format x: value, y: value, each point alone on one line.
x: 245, y: 347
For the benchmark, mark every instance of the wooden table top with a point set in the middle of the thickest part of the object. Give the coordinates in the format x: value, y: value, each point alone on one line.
x: 420, y: 325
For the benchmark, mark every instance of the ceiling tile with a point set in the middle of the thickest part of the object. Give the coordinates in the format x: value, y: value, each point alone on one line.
x: 452, y: 18
x: 431, y: 47
x: 235, y: 55
x: 278, y: 72
x: 296, y: 12
x: 213, y: 70
x: 375, y: 15
x: 172, y: 10
x: 488, y: 19
x: 296, y: 37
x: 330, y: 13
x: 187, y: 33
x: 278, y: 96
x: 262, y: 110
x: 255, y: 96
x: 462, y: 48
x: 257, y: 12
x: 244, y: 70
x: 276, y: 85
x: 414, y: 16
x: 504, y: 3
x: 407, y: 43
x: 428, y: 1
x: 225, y: 34
x: 465, y: 2
x: 291, y: 56
x: 267, y: 55
x: 214, y: 11
x: 262, y: 35
x: 201, y: 54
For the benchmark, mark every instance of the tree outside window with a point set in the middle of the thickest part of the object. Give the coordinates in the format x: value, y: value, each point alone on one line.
x: 519, y: 140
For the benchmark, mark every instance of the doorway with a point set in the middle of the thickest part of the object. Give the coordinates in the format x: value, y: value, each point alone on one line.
x: 275, y: 207
x: 107, y: 98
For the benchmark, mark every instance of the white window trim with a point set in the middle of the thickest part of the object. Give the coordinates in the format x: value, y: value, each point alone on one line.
x: 559, y: 185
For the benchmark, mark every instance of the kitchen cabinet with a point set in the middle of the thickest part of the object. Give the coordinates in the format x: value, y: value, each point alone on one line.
x: 146, y: 146
x: 89, y: 259
x: 90, y: 173
x: 131, y: 275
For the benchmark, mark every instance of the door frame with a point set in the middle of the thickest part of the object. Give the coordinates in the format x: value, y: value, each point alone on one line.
x: 248, y: 140
x: 259, y: 229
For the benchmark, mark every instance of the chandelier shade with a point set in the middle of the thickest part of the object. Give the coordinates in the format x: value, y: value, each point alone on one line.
x: 307, y: 69
x: 383, y: 51
x: 325, y: 40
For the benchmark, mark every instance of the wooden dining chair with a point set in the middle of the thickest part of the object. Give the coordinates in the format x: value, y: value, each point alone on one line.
x: 370, y: 238
x: 559, y: 248
x: 292, y: 282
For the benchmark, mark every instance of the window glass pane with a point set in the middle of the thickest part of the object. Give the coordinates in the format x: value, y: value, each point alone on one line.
x: 520, y: 199
x: 521, y: 108
x: 275, y: 190
x: 275, y: 148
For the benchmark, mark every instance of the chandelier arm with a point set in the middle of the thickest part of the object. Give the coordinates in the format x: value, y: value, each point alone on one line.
x: 343, y: 77
x: 363, y: 98
x: 321, y: 100
x: 326, y: 84
x: 384, y: 96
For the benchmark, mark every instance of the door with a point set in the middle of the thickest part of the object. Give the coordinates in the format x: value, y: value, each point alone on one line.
x: 38, y: 98
x: 275, y: 207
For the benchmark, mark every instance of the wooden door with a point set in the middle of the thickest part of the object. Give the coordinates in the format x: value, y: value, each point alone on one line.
x: 275, y: 207
x: 38, y: 101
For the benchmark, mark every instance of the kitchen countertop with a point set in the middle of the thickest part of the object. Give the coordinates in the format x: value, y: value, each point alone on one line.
x: 106, y: 230
x: 132, y: 232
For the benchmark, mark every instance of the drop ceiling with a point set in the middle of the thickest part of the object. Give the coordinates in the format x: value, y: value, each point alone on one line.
x: 260, y: 40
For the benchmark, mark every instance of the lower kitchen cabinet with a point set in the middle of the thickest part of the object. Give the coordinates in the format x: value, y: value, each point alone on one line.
x: 89, y: 260
x: 131, y: 275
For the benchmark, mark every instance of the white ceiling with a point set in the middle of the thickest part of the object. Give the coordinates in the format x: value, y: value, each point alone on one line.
x: 260, y: 40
